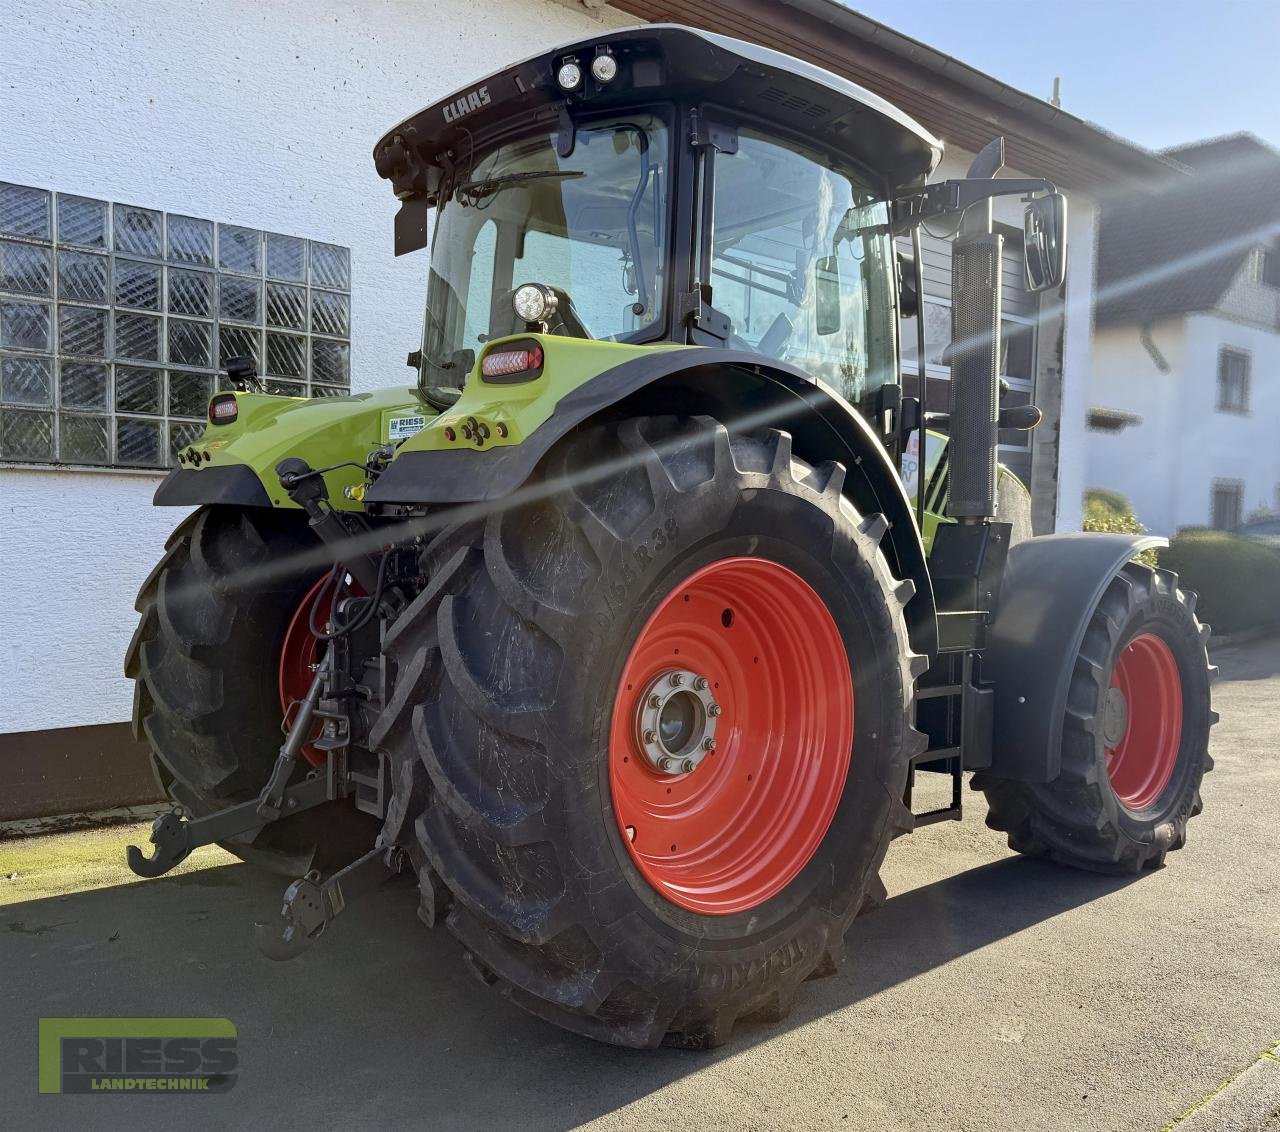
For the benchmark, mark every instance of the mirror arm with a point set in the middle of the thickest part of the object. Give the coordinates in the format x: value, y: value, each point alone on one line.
x: 945, y: 198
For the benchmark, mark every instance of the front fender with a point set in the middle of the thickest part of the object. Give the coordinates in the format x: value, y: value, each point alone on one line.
x: 745, y: 390
x: 235, y: 463
x: 1052, y: 585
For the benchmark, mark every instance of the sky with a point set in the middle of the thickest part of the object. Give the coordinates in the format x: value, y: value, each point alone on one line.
x: 1158, y: 72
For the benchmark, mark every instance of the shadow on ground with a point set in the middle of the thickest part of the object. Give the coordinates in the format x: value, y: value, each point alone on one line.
x: 1254, y: 660
x: 382, y: 1021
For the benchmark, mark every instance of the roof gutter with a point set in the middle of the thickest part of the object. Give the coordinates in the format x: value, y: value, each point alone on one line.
x: 953, y: 100
x: 849, y: 22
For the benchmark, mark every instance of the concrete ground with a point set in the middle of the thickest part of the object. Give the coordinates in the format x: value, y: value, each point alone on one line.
x: 989, y: 992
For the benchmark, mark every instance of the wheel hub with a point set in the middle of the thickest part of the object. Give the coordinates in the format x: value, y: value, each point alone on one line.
x: 676, y: 718
x: 1115, y: 717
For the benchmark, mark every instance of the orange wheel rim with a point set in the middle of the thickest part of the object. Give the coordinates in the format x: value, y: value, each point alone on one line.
x: 777, y: 711
x: 300, y: 651
x: 1142, y: 721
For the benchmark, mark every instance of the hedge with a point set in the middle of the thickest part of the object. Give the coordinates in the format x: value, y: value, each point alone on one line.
x: 1238, y: 580
x: 1109, y: 511
x: 1104, y: 499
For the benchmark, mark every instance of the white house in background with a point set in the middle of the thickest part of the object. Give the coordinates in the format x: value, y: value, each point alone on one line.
x: 1185, y: 391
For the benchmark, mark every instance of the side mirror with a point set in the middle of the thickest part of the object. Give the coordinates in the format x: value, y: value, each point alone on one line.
x: 826, y: 287
x: 1044, y: 242
x: 908, y: 300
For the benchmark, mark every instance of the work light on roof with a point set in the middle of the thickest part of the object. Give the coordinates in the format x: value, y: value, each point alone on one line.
x: 569, y: 76
x: 533, y: 302
x: 605, y: 67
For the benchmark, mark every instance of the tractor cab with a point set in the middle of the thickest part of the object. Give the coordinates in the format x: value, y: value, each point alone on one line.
x: 664, y: 185
x: 660, y: 184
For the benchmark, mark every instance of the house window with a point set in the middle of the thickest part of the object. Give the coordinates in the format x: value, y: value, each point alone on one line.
x: 1228, y: 500
x: 1233, y: 381
x: 1264, y: 266
x: 1269, y: 269
x: 115, y: 321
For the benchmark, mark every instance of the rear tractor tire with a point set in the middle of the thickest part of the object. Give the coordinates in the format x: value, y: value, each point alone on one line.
x: 1135, y: 739
x: 632, y: 705
x: 206, y: 661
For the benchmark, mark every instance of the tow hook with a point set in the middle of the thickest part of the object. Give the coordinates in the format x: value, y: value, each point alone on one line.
x: 174, y: 836
x: 310, y: 904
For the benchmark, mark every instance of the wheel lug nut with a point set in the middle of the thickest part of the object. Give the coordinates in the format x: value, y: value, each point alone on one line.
x: 655, y: 701
x: 708, y: 744
x: 650, y: 736
x: 688, y: 765
x: 666, y: 764
x: 714, y: 710
x: 702, y: 683
x: 677, y: 678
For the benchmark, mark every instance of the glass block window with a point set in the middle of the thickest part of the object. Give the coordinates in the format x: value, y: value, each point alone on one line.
x: 116, y: 322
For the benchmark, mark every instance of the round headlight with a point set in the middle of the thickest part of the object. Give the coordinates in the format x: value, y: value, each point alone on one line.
x: 533, y: 302
x: 605, y: 68
x: 569, y: 76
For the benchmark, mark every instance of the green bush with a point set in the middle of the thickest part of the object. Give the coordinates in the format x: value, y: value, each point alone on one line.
x: 1238, y: 580
x: 1109, y: 511
x: 1103, y: 499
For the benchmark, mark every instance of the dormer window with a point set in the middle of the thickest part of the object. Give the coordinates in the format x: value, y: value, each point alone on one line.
x: 1264, y: 266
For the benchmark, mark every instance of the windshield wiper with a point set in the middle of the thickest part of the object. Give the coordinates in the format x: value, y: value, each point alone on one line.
x: 469, y: 192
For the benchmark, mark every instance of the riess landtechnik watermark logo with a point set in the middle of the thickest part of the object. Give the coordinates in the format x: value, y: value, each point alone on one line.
x: 137, y: 1055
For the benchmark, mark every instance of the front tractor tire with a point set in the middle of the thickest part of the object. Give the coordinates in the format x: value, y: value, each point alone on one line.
x: 1135, y: 738
x: 660, y: 723
x: 206, y: 661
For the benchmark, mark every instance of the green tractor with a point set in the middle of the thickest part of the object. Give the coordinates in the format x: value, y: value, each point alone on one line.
x: 623, y: 629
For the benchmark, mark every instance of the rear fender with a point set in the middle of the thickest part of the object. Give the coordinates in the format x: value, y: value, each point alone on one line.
x: 742, y: 389
x: 235, y: 463
x: 1052, y: 585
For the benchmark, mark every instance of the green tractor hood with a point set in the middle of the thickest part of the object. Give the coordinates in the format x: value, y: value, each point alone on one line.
x: 234, y: 462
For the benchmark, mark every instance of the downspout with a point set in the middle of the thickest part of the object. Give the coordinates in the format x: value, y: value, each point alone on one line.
x: 1149, y: 344
x: 1162, y: 366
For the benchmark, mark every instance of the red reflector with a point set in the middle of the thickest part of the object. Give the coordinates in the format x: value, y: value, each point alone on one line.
x: 223, y: 410
x: 503, y: 363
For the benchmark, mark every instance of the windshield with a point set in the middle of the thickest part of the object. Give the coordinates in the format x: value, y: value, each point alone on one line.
x: 590, y: 225
x: 802, y: 264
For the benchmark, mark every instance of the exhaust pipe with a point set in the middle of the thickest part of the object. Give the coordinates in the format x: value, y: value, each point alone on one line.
x: 975, y: 353
x: 975, y: 372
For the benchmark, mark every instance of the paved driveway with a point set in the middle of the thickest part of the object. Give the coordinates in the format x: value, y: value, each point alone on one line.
x: 989, y: 992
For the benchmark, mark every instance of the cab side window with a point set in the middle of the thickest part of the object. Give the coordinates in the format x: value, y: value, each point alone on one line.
x: 801, y: 264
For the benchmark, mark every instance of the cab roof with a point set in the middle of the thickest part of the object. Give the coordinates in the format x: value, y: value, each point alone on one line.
x: 660, y: 62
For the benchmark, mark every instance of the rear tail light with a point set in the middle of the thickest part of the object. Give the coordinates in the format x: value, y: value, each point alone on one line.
x: 223, y: 409
x: 521, y: 364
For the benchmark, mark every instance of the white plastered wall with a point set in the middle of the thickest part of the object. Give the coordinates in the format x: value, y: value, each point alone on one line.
x: 261, y: 114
